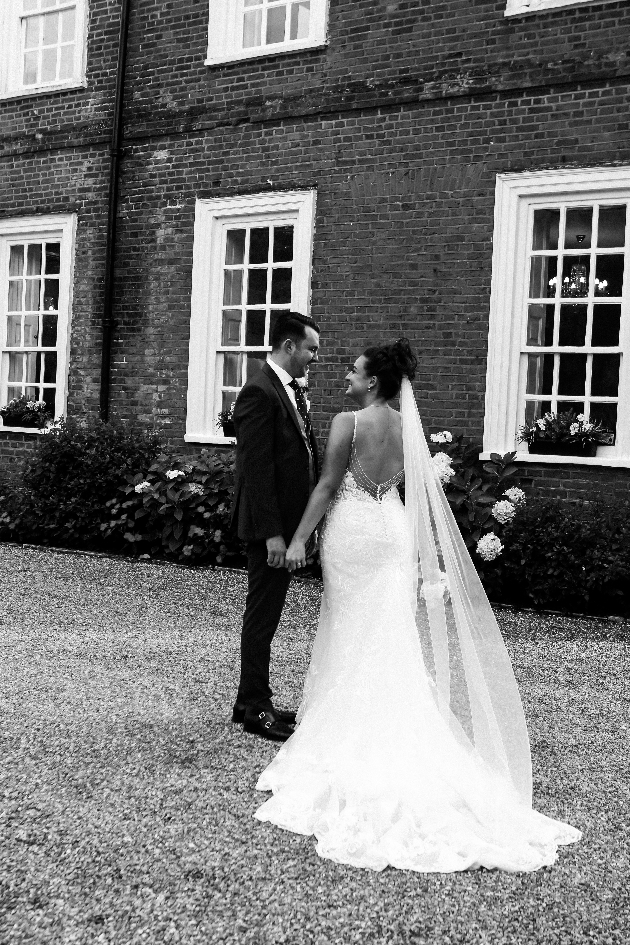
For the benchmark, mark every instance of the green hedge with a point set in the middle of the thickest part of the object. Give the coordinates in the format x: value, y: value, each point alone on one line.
x: 562, y: 555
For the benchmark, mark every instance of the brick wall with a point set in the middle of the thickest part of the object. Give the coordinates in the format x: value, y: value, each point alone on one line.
x: 401, y: 123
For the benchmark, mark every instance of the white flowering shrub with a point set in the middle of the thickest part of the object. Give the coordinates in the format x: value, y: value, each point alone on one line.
x: 516, y: 496
x: 489, y: 547
x: 443, y: 437
x: 503, y: 511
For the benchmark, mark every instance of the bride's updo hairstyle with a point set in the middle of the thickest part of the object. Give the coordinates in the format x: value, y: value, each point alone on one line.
x: 389, y: 364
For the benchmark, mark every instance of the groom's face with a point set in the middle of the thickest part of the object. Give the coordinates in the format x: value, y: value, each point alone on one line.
x: 304, y: 353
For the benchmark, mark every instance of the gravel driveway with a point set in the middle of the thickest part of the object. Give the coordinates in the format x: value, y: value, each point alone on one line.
x: 126, y: 794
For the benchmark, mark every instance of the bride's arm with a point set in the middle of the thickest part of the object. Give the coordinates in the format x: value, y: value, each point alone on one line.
x: 335, y: 464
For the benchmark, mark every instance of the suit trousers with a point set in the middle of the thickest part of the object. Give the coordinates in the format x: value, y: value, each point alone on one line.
x: 266, y: 593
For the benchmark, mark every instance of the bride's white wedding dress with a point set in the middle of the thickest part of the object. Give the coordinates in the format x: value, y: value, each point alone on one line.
x: 373, y: 770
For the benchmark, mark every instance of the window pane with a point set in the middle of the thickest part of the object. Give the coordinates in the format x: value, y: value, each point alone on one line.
x: 609, y: 275
x: 50, y: 367
x: 283, y: 244
x: 34, y: 259
x: 255, y: 360
x: 575, y: 273
x: 232, y: 370
x: 14, y: 331
x: 257, y: 286
x: 31, y: 35
x: 16, y: 261
x: 578, y: 228
x: 51, y: 29
x: 235, y: 247
x: 14, y: 392
x: 572, y: 376
x: 300, y: 13
x: 606, y: 414
x: 276, y: 17
x: 572, y: 325
x: 49, y: 330
x: 32, y: 393
x: 252, y: 22
x: 546, y: 227
x: 48, y: 396
x: 606, y: 320
x: 49, y: 64
x: 542, y: 283
x: 33, y: 287
x: 259, y: 244
x: 255, y: 327
x: 227, y: 399
x: 274, y: 315
x: 540, y: 320
x: 539, y: 373
x: 33, y: 366
x: 571, y: 406
x: 535, y: 409
x: 52, y: 258
x: 16, y: 365
x: 281, y: 286
x: 605, y: 375
x: 67, y: 26
x: 233, y: 287
x: 15, y: 295
x: 231, y: 333
x: 31, y: 331
x: 66, y: 62
x: 29, y: 76
x: 612, y: 227
x: 51, y: 295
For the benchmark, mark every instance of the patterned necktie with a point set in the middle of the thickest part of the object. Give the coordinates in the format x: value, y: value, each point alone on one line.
x: 300, y: 401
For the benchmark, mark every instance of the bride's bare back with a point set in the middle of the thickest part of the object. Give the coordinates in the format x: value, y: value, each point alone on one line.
x: 378, y: 443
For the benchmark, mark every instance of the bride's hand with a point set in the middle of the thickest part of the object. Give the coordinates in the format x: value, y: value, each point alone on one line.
x: 295, y: 556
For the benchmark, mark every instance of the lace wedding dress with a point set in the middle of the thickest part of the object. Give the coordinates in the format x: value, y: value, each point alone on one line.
x: 373, y: 770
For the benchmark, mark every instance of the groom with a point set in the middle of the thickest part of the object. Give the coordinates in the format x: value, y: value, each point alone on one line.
x: 276, y: 471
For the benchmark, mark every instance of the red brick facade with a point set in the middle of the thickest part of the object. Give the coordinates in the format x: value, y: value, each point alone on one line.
x: 401, y: 123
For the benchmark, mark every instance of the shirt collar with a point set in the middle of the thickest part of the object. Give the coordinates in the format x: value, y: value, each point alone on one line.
x: 284, y: 376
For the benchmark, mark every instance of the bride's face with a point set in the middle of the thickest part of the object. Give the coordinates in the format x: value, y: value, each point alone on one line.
x: 359, y: 382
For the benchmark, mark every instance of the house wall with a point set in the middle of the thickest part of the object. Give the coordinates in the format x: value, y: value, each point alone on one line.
x: 401, y: 123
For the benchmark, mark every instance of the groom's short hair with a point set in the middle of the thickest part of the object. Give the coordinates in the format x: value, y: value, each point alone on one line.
x: 291, y: 325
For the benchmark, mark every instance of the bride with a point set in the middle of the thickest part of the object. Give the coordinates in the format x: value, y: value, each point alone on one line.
x: 411, y: 748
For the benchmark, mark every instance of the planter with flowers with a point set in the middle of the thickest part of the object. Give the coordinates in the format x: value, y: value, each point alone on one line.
x: 564, y: 434
x: 22, y: 412
x: 225, y: 421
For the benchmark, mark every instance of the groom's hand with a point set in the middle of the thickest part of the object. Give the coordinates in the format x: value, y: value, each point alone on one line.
x: 276, y: 550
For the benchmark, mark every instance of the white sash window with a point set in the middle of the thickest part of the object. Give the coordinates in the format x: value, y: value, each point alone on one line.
x: 42, y: 45
x: 243, y: 29
x: 251, y: 262
x: 559, y: 335
x: 521, y: 7
x: 36, y: 263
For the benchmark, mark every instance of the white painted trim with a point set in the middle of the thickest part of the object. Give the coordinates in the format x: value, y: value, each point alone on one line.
x: 515, y: 195
x: 11, y: 53
x: 207, y: 438
x: 49, y: 226
x: 224, y: 34
x: 570, y: 460
x: 211, y: 216
x: 523, y: 7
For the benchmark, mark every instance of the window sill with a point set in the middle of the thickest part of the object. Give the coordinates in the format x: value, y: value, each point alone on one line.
x: 44, y: 89
x: 36, y: 431
x: 264, y: 53
x: 210, y: 438
x: 528, y: 7
x: 538, y: 458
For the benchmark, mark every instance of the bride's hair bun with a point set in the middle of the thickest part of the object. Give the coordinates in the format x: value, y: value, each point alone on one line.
x: 390, y: 363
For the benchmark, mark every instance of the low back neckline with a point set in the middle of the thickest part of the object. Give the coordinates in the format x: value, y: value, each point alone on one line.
x: 376, y: 489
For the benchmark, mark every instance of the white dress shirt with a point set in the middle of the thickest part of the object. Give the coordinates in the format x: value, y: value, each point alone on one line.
x: 286, y: 379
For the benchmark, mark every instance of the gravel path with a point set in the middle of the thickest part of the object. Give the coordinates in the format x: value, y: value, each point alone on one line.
x: 126, y: 794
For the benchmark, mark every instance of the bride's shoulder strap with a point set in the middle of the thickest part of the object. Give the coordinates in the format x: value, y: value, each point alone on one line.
x: 354, y: 434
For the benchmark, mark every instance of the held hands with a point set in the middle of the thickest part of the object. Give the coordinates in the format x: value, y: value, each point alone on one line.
x: 276, y: 551
x: 296, y: 556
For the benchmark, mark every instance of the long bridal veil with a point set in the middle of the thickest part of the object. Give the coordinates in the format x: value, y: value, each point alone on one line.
x: 463, y: 650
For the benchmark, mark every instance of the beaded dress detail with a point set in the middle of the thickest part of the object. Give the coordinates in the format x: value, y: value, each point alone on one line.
x: 373, y: 770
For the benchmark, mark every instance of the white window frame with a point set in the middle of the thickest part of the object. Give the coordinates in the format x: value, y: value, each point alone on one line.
x: 225, y: 33
x: 516, y: 197
x: 11, y: 52
x: 522, y: 7
x: 57, y: 227
x: 212, y: 216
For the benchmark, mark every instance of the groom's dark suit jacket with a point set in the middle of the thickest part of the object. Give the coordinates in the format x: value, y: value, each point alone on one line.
x: 272, y: 461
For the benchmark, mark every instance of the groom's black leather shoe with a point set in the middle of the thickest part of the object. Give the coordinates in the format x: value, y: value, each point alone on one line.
x: 265, y: 724
x: 238, y: 714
